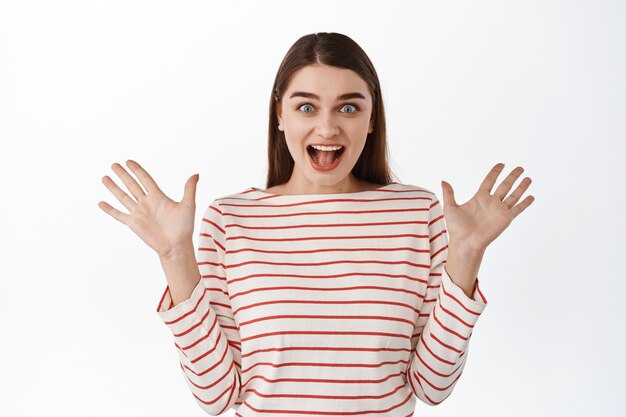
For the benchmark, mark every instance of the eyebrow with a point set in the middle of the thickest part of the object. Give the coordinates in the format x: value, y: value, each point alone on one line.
x: 346, y: 96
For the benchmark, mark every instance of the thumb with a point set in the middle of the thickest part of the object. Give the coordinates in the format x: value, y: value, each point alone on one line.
x: 448, y: 194
x: 189, y: 196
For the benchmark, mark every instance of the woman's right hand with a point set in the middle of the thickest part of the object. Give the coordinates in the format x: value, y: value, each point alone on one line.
x: 162, y: 223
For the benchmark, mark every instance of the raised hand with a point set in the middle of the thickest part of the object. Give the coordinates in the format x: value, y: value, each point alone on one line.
x: 478, y: 222
x: 160, y: 222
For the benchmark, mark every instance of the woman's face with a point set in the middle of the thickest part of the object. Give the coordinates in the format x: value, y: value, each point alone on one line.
x: 325, y: 105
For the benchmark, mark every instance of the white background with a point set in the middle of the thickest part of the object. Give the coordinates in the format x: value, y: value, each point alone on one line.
x: 184, y: 87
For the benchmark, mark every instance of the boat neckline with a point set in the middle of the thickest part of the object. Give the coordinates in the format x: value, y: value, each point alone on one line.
x: 323, y: 195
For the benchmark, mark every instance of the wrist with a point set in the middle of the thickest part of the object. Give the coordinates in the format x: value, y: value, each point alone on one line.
x: 180, y: 251
x: 462, y: 266
x: 465, y: 249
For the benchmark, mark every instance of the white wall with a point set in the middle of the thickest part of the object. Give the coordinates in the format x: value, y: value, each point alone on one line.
x: 184, y: 87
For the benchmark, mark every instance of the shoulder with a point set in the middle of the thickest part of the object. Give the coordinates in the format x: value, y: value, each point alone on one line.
x: 423, y: 198
x: 411, y: 188
x: 220, y: 206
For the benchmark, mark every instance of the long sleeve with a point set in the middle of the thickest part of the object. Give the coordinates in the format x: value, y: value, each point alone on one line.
x: 206, y: 335
x: 445, y: 323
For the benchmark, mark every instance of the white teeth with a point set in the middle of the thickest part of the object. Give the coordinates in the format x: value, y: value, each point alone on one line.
x: 326, y: 148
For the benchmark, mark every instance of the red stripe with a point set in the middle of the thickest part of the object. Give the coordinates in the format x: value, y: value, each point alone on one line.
x: 327, y: 413
x: 160, y: 305
x: 449, y: 295
x: 212, y: 223
x: 447, y: 329
x: 331, y: 397
x: 361, y: 249
x: 301, y: 239
x: 222, y: 248
x: 195, y: 307
x: 484, y: 300
x: 345, y: 302
x: 309, y: 316
x: 313, y: 213
x: 324, y: 348
x: 231, y: 281
x: 243, y: 293
x: 328, y: 200
x: 335, y: 333
x: 440, y: 374
x: 195, y: 326
x: 341, y: 261
x: 319, y: 225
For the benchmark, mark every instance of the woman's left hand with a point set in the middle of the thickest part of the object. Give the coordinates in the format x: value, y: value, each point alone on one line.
x: 478, y: 222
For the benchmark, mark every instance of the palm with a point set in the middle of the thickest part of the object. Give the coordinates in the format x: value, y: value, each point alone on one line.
x: 479, y: 221
x: 160, y: 222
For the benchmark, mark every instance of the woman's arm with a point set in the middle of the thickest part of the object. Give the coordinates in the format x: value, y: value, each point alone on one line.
x: 445, y: 322
x: 462, y: 267
x: 206, y: 336
x: 181, y: 272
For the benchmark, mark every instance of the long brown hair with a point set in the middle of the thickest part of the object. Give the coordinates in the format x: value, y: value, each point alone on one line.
x: 337, y: 50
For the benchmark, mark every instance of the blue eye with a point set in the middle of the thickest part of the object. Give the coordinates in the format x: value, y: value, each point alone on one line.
x: 305, y: 105
x: 353, y: 106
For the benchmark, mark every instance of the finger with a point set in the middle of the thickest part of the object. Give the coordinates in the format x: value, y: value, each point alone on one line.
x: 113, y: 212
x: 130, y: 182
x: 189, y: 195
x: 448, y: 194
x: 491, y: 178
x: 511, y: 200
x: 522, y: 206
x: 146, y: 180
x: 508, y: 182
x: 121, y: 196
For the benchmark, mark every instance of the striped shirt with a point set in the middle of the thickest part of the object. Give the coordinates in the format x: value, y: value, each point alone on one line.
x: 323, y: 304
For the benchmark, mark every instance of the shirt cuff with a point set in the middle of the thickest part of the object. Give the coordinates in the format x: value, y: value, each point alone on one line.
x: 170, y: 313
x: 478, y: 302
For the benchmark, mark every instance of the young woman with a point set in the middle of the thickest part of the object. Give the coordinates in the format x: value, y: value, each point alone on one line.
x: 336, y: 290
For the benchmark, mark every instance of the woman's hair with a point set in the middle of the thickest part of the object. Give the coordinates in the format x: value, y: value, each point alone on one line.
x: 337, y: 50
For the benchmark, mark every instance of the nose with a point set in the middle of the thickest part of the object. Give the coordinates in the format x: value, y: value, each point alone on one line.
x: 327, y: 126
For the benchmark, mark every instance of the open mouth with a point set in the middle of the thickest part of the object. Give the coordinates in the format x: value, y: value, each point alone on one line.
x: 324, y: 158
